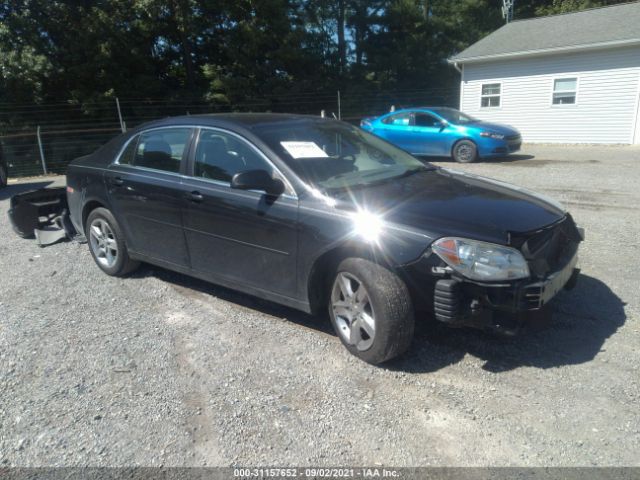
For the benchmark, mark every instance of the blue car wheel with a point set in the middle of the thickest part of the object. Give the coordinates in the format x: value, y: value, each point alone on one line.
x: 465, y: 151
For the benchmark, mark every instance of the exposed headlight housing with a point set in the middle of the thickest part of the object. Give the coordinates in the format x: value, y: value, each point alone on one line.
x: 497, y: 136
x: 480, y: 260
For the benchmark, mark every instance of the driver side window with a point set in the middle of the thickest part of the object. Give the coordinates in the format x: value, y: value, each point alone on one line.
x: 219, y: 156
x: 425, y: 120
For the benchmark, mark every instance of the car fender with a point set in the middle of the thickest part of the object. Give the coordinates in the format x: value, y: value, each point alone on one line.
x: 85, y: 193
x: 334, y: 238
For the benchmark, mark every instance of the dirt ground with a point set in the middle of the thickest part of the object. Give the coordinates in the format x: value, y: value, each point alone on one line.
x: 161, y: 369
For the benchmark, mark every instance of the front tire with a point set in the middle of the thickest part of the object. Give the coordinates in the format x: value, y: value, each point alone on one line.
x: 371, y: 310
x: 106, y: 244
x: 465, y: 151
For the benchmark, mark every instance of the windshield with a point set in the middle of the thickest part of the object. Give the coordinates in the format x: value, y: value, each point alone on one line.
x: 454, y: 116
x: 333, y: 155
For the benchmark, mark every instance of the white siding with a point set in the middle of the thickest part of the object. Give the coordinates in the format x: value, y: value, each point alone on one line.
x: 607, y: 100
x: 637, y: 129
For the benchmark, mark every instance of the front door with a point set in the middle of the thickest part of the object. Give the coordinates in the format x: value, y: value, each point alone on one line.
x: 243, y: 237
x: 428, y: 135
x: 147, y: 193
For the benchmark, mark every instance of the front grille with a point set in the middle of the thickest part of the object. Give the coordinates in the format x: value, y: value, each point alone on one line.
x: 513, y: 138
x: 550, y: 249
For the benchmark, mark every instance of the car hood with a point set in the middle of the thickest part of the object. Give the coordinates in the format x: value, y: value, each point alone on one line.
x: 442, y: 202
x: 495, y: 127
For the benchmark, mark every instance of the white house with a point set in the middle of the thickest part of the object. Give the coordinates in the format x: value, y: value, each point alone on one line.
x: 571, y: 78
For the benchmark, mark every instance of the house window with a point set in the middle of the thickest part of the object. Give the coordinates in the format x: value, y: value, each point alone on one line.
x: 490, y: 95
x: 564, y: 91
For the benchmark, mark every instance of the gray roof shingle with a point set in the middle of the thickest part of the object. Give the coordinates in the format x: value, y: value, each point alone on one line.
x: 598, y: 26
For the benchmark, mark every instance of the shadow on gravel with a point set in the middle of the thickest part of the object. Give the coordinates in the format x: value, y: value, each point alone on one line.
x: 16, y: 188
x: 194, y: 288
x: 583, y: 319
x: 508, y: 159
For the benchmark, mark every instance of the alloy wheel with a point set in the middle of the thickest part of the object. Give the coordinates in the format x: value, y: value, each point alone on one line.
x: 352, y: 311
x: 103, y: 243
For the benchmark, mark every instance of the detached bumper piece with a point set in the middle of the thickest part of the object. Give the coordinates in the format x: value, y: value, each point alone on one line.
x: 42, y: 214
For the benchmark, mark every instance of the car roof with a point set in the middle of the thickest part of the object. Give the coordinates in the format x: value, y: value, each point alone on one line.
x: 413, y: 109
x: 242, y: 120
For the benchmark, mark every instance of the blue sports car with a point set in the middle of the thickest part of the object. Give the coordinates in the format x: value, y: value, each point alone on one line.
x: 444, y: 132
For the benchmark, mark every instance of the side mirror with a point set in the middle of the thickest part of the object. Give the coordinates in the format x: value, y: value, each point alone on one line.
x: 258, y: 180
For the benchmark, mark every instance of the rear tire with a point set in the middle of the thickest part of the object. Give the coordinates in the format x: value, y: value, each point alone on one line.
x: 371, y: 310
x: 465, y: 151
x: 106, y: 244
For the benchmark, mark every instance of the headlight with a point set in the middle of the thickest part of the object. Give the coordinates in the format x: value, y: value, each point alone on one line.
x: 481, y: 261
x: 497, y: 136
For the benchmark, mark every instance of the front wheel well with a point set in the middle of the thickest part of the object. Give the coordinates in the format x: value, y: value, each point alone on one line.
x: 460, y: 140
x: 325, y: 266
x: 470, y: 155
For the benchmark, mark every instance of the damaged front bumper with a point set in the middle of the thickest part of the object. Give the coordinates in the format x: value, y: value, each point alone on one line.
x: 43, y: 214
x: 505, y: 308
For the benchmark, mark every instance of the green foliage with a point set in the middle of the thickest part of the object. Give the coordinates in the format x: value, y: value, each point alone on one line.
x: 530, y: 8
x: 231, y: 51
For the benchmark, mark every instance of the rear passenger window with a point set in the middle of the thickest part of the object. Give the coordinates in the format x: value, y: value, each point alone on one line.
x: 400, y: 119
x: 162, y: 149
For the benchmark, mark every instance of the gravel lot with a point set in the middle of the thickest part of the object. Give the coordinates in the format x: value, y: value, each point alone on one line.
x: 161, y: 369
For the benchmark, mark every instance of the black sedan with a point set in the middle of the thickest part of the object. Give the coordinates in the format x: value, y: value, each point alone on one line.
x: 319, y: 215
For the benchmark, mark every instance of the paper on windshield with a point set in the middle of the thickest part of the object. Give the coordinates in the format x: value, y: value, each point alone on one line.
x: 304, y: 150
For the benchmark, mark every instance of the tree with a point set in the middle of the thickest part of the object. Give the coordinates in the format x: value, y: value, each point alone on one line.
x: 530, y: 8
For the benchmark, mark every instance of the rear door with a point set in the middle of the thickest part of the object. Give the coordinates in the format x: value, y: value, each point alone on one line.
x: 146, y: 192
x: 241, y: 237
x: 397, y: 129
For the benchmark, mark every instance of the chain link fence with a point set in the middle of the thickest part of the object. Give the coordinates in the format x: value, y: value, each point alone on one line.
x: 44, y: 138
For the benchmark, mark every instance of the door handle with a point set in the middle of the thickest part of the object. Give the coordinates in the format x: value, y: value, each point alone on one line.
x: 117, y: 181
x: 196, y: 197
